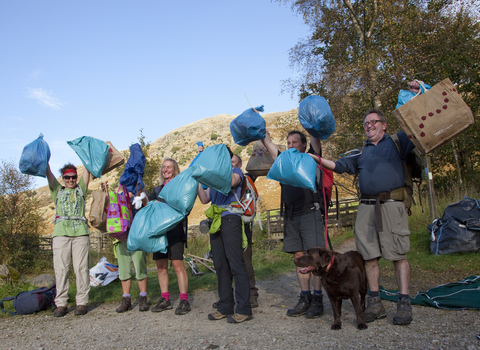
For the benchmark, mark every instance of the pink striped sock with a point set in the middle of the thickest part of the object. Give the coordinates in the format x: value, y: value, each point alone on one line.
x: 184, y: 296
x: 166, y: 296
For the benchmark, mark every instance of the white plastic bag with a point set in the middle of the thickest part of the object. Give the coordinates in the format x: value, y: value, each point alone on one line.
x: 103, y: 273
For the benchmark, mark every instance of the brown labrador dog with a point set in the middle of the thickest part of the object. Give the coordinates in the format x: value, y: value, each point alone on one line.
x: 343, y: 277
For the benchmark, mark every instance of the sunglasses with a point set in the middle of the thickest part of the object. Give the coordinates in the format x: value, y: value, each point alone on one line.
x: 74, y: 177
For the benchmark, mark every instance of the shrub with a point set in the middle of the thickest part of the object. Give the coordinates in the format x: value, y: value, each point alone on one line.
x: 213, y: 136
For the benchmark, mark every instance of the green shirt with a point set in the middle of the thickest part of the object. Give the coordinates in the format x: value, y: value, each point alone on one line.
x: 70, y: 203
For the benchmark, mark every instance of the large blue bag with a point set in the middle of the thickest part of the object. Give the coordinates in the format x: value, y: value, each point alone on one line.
x: 294, y: 168
x: 248, y: 126
x: 316, y: 117
x: 180, y: 192
x: 150, y: 222
x: 134, y: 169
x: 35, y: 157
x: 406, y: 95
x: 148, y: 244
x: 214, y: 169
x: 92, y: 152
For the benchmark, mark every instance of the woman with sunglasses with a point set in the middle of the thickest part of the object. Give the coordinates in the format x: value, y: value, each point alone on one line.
x: 71, y: 240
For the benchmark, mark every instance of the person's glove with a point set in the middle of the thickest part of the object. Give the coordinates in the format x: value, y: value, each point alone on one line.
x: 137, y: 200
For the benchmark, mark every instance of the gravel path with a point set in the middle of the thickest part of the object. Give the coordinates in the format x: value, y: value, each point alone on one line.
x: 103, y: 328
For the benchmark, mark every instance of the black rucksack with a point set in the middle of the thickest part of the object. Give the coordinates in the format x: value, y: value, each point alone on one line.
x: 31, y: 302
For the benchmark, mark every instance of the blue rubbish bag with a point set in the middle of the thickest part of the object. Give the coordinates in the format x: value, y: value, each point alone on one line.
x: 134, y: 169
x: 406, y: 95
x: 213, y: 169
x: 180, y: 193
x: 35, y: 157
x: 294, y: 168
x: 148, y: 244
x: 150, y: 223
x: 316, y: 117
x: 248, y: 127
x: 92, y: 152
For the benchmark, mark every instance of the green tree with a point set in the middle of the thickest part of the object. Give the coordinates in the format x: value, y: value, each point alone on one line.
x: 359, y: 54
x: 20, y: 219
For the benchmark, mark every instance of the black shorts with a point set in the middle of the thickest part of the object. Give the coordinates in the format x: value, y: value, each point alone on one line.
x: 176, y: 247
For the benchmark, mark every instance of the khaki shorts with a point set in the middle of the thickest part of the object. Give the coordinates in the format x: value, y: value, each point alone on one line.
x: 393, y: 242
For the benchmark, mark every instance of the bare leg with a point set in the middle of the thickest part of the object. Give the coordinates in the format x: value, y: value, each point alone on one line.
x: 163, y: 281
x: 126, y: 286
x: 303, y: 279
x: 373, y: 274
x: 182, y: 276
x: 142, y: 285
x: 402, y: 273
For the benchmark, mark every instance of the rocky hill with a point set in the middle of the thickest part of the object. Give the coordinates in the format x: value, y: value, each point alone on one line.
x: 180, y: 144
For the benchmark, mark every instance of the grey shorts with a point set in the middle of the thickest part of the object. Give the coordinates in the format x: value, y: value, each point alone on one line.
x: 302, y: 232
x: 393, y: 243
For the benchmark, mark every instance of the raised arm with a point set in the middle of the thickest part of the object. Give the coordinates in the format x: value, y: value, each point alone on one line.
x: 50, y: 177
x: 203, y: 195
x: 271, y: 148
x: 86, y: 177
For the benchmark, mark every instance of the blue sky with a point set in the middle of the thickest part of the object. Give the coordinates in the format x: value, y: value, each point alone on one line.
x: 108, y: 68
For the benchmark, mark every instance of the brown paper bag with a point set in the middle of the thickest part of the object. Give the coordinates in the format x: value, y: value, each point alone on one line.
x: 98, y: 210
x: 434, y: 117
x: 114, y: 160
x: 260, y: 161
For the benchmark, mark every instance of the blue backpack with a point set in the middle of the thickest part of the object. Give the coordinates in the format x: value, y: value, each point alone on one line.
x: 31, y: 302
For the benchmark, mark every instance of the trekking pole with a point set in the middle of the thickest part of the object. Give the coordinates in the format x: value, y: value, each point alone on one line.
x: 195, y: 270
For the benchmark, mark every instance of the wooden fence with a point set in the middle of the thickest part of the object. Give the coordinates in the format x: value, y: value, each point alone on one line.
x: 99, y: 242
x: 347, y: 212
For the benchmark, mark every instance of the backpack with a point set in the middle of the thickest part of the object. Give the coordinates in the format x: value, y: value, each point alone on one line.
x: 31, y: 302
x: 58, y: 218
x: 413, y: 172
x: 247, y: 204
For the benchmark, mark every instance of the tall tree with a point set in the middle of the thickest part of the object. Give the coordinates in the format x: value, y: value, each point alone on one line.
x: 361, y: 53
x: 20, y: 220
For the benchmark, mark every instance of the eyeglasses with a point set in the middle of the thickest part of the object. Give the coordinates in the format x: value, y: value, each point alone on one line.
x: 74, y: 177
x: 371, y: 122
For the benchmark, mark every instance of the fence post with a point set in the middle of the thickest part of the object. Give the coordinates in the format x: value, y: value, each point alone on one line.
x: 268, y: 223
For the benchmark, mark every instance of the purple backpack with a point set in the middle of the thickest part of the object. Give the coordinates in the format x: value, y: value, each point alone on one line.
x: 31, y: 302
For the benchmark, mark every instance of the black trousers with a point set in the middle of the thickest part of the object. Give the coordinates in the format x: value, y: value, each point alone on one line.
x: 228, y: 260
x: 247, y: 257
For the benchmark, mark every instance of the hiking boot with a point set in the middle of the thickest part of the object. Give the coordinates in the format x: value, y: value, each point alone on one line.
x: 162, y: 305
x: 254, y: 302
x: 216, y: 316
x: 374, y: 309
x: 125, y: 305
x: 302, y: 306
x: 60, y: 311
x: 142, y: 304
x: 81, y: 310
x: 215, y: 305
x: 316, y: 307
x: 183, y: 308
x: 238, y: 318
x: 404, y: 312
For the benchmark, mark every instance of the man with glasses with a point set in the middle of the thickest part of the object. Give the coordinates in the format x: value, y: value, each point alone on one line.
x: 381, y: 227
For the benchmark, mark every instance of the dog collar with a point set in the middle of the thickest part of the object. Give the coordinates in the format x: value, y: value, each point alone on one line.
x: 330, y: 264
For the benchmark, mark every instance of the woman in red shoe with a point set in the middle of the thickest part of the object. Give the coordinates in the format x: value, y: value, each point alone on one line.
x: 71, y: 240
